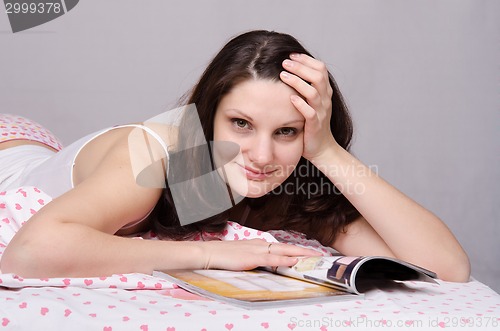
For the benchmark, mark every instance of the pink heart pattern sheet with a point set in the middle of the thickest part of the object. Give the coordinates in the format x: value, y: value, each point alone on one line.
x: 143, y: 302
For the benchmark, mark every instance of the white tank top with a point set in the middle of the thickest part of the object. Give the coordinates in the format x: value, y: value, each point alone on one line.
x: 54, y: 174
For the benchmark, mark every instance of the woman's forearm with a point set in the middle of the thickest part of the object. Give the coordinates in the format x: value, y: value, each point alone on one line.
x: 75, y: 250
x: 412, y: 232
x: 81, y: 251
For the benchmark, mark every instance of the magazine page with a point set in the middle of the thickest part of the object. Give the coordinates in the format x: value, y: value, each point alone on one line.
x: 371, y: 270
x: 317, y: 269
x: 354, y: 273
x: 252, y: 289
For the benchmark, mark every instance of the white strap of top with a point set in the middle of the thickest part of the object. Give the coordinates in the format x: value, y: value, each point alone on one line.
x: 151, y: 132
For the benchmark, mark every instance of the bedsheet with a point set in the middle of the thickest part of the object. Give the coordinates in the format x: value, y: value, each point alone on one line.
x: 471, y: 306
x: 143, y: 302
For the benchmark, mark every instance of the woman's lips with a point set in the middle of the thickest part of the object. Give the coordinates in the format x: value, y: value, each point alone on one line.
x: 256, y: 174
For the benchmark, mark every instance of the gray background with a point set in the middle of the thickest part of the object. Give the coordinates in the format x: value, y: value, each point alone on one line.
x: 422, y: 79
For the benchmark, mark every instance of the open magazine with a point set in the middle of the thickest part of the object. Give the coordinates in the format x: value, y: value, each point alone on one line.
x: 311, y: 280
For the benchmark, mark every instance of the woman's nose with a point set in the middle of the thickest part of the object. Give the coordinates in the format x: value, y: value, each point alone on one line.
x: 260, y: 150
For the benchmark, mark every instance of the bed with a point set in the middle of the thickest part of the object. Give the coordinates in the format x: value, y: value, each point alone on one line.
x: 143, y: 302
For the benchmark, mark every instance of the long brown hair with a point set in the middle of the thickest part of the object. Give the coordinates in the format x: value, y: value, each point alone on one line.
x: 320, y: 214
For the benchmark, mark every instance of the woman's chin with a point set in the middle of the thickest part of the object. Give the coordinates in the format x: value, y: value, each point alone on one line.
x: 247, y: 187
x: 255, y: 195
x: 251, y: 189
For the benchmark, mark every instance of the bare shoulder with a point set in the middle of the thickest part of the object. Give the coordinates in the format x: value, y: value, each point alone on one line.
x: 137, y: 147
x: 107, y: 194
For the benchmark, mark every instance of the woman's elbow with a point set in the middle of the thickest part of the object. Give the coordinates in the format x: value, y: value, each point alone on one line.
x: 16, y: 260
x: 28, y: 260
x: 456, y: 270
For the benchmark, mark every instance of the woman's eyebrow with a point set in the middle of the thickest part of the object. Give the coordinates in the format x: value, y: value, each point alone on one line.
x: 300, y: 121
x: 240, y: 112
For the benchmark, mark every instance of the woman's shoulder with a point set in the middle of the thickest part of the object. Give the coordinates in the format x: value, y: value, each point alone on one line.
x: 106, y: 176
x: 134, y: 146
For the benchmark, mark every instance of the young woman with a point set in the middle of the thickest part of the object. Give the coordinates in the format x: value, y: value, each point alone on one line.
x: 265, y: 93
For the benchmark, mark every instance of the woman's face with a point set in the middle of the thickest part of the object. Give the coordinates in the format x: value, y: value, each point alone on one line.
x: 258, y: 116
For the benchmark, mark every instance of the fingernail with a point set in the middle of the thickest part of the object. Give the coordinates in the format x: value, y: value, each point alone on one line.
x: 294, y: 55
x: 294, y: 98
x: 288, y: 63
x: 285, y: 75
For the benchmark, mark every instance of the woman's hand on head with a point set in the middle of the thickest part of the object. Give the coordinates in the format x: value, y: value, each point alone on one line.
x: 249, y: 254
x: 309, y: 77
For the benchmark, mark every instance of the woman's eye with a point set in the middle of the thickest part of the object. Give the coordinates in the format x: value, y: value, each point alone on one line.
x: 241, y: 124
x: 287, y: 131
